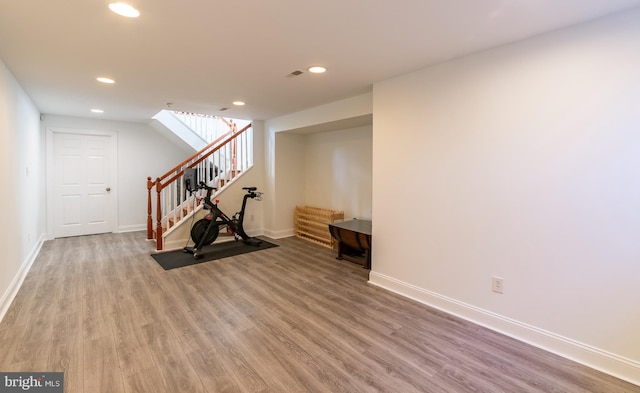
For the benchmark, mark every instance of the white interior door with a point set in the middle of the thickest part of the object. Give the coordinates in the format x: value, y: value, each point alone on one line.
x: 82, y: 171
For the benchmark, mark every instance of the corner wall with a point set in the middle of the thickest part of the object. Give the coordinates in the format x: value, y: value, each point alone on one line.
x: 288, y: 141
x: 523, y: 164
x: 22, y: 201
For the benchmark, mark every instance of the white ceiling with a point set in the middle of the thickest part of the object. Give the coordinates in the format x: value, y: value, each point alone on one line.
x: 201, y: 55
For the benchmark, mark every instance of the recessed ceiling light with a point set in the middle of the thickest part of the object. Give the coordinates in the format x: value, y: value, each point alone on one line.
x: 317, y: 69
x: 238, y: 103
x: 105, y: 80
x: 124, y: 9
x: 97, y: 111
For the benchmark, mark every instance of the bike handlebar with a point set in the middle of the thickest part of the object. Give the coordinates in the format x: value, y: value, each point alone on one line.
x: 250, y: 190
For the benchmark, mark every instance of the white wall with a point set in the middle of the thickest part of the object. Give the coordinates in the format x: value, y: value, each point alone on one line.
x: 142, y: 152
x: 524, y: 163
x: 338, y: 171
x: 329, y: 169
x: 288, y: 189
x: 22, y: 200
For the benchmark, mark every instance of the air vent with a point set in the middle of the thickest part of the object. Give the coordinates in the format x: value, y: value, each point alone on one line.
x: 294, y: 73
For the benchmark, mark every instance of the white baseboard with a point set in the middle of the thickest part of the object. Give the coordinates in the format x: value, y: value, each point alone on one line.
x: 279, y: 234
x: 609, y: 363
x: 131, y: 228
x: 14, y: 287
x: 254, y: 232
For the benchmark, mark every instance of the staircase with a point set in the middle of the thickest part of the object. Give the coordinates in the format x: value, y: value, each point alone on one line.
x: 218, y: 164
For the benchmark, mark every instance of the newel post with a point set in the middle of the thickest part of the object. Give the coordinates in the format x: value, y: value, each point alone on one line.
x: 149, y: 210
x: 158, y: 216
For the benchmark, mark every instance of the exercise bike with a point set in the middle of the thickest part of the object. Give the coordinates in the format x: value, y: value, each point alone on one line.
x: 206, y: 230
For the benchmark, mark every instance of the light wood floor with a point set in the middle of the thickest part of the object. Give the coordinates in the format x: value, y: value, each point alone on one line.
x: 286, y: 319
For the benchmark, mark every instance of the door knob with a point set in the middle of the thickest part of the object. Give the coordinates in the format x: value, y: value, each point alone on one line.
x: 108, y: 188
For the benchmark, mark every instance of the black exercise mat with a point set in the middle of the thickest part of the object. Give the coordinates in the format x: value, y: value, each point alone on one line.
x: 178, y: 258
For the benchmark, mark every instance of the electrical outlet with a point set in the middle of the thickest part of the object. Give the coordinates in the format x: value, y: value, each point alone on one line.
x: 497, y: 284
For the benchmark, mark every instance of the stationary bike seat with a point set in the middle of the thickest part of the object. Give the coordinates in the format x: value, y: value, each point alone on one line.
x: 250, y: 189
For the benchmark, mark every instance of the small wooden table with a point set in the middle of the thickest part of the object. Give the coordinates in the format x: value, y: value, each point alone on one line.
x: 354, y: 240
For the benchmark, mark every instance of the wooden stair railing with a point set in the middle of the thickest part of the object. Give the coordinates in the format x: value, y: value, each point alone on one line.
x: 216, y: 161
